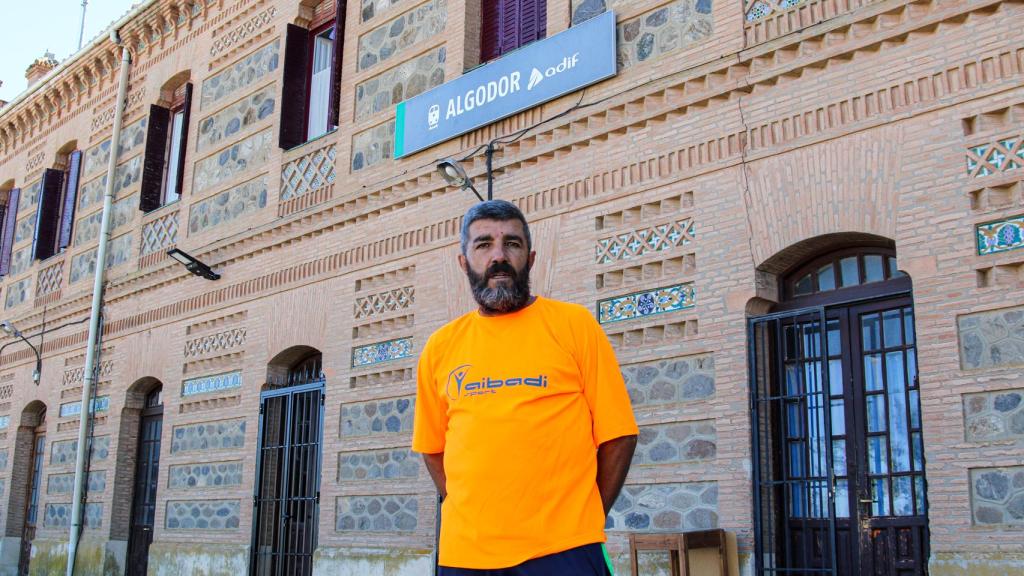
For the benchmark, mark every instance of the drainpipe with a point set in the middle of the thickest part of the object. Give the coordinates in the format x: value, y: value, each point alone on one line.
x: 89, y: 378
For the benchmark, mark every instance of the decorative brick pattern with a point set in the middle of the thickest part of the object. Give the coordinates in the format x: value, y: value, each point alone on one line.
x: 371, y: 8
x: 373, y: 146
x: 241, y: 74
x: 377, y: 514
x: 63, y: 452
x: 385, y: 302
x: 676, y: 442
x: 998, y: 496
x: 24, y: 229
x: 237, y: 118
x: 992, y: 339
x: 994, y: 415
x: 1000, y: 236
x: 96, y: 483
x: 667, y: 29
x: 30, y: 196
x: 70, y: 409
x: 202, y: 515
x: 208, y: 384
x: 160, y: 234
x: 223, y: 435
x: 218, y: 342
x: 96, y: 158
x: 18, y: 292
x: 1002, y: 155
x: 390, y: 464
x: 59, y: 515
x: 207, y: 475
x: 637, y: 243
x: 76, y: 375
x: 665, y: 508
x: 371, y: 354
x: 758, y: 9
x: 308, y: 173
x: 647, y: 303
x: 243, y: 31
x: 229, y: 205
x: 250, y: 153
x: 402, y: 82
x: 119, y: 251
x: 397, y: 35
x: 122, y: 212
x: 670, y: 381
x: 377, y: 417
x: 126, y: 175
x: 49, y: 279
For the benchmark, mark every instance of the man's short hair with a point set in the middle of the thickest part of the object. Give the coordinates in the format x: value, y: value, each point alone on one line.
x: 500, y: 210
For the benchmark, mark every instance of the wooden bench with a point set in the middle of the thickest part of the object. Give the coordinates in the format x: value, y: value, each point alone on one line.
x: 678, y: 547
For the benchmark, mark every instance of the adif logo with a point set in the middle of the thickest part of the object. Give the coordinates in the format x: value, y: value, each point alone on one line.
x: 567, y: 63
x: 434, y: 116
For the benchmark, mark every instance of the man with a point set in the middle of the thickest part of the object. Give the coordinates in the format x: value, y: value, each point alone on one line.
x: 522, y: 418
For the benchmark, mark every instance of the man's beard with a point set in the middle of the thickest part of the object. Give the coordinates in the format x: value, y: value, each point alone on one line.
x: 503, y: 298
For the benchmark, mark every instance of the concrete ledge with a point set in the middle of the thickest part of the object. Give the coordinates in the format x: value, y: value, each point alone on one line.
x: 51, y: 556
x: 372, y: 561
x: 197, y: 559
x: 976, y: 563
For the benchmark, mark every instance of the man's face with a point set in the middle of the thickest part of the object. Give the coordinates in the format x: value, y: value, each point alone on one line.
x: 497, y: 263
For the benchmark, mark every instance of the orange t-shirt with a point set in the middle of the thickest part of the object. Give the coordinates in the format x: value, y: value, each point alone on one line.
x: 519, y: 403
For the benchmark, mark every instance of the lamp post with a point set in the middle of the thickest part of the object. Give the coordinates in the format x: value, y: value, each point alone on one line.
x: 9, y: 328
x: 455, y: 175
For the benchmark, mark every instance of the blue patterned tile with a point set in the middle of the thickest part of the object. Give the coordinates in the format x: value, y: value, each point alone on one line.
x: 101, y: 404
x: 5, y: 421
x: 381, y: 352
x: 647, y: 303
x: 1000, y: 236
x: 214, y: 383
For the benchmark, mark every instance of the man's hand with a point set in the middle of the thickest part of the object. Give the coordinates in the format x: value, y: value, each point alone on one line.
x: 435, y: 466
x: 613, y: 459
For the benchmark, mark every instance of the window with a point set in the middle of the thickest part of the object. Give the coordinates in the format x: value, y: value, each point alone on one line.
x: 510, y: 24
x: 10, y: 221
x: 844, y: 269
x: 312, y: 75
x: 57, y: 201
x: 166, y: 141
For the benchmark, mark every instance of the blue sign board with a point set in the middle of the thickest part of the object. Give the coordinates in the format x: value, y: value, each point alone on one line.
x: 532, y: 75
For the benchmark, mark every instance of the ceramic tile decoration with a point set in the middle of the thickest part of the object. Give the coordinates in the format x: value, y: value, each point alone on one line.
x: 1000, y: 236
x: 758, y: 9
x: 100, y: 404
x: 308, y: 173
x: 5, y: 421
x: 637, y: 243
x: 381, y: 352
x: 1001, y: 155
x: 647, y: 303
x: 214, y: 383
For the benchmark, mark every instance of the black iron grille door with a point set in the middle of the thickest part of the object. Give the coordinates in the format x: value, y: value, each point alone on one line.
x: 287, y: 495
x: 147, y: 472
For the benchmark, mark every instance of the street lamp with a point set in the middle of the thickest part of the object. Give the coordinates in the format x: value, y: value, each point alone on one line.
x: 192, y: 265
x: 455, y: 175
x: 9, y: 328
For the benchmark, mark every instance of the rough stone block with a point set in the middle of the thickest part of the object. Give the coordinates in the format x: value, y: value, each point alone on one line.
x: 994, y: 415
x: 202, y: 515
x: 665, y: 508
x: 670, y: 381
x: 377, y: 513
x: 997, y: 496
x: 992, y: 339
x: 243, y: 73
x: 206, y: 475
x: 390, y: 464
x: 676, y: 442
x: 222, y: 435
x: 377, y: 417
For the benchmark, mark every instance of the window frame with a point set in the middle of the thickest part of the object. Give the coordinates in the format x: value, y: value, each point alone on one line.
x: 314, y: 33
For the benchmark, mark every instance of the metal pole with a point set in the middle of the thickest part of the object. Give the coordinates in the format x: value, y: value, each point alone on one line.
x: 81, y: 30
x: 490, y: 172
x: 89, y: 378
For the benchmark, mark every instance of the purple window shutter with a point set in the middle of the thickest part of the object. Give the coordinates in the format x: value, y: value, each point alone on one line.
x: 155, y: 156
x: 533, y: 21
x: 10, y: 222
x: 294, y: 93
x: 511, y: 16
x: 70, y: 200
x: 490, y: 29
x: 186, y: 109
x: 48, y: 214
x: 339, y: 44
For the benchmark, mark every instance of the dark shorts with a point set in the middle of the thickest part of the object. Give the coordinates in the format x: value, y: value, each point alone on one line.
x: 587, y: 560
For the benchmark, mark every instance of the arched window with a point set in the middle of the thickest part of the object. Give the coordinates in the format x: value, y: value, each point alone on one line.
x: 841, y: 275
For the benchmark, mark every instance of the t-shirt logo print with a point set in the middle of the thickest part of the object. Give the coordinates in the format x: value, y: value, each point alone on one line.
x: 455, y: 379
x: 457, y: 384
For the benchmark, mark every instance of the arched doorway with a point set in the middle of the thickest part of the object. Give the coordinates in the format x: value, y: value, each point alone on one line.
x: 288, y: 465
x: 838, y: 451
x: 147, y: 473
x: 27, y: 471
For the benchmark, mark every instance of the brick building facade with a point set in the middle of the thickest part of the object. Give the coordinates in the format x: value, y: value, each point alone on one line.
x: 749, y: 158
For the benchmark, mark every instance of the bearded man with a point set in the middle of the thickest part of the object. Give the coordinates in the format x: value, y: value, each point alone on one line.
x: 522, y: 418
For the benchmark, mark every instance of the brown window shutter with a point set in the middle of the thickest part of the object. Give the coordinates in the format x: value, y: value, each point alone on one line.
x: 490, y: 29
x: 339, y: 44
x: 48, y: 214
x: 153, y: 163
x: 186, y: 108
x: 294, y: 90
x: 10, y: 222
x: 67, y: 219
x: 323, y: 13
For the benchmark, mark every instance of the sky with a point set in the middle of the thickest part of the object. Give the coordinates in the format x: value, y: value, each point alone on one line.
x: 31, y: 27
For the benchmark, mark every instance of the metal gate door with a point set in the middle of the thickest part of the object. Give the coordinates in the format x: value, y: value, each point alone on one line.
x: 147, y: 471
x: 287, y: 498
x: 32, y: 508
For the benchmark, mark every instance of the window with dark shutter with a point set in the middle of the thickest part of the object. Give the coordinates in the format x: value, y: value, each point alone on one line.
x: 339, y: 43
x: 48, y: 215
x: 294, y: 90
x: 10, y: 222
x: 153, y: 162
x: 510, y: 24
x: 70, y: 199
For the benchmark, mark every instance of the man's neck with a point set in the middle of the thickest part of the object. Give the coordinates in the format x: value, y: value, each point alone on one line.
x: 486, y: 312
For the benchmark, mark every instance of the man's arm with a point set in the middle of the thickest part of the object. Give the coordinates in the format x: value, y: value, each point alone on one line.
x: 613, y: 459
x: 435, y: 466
